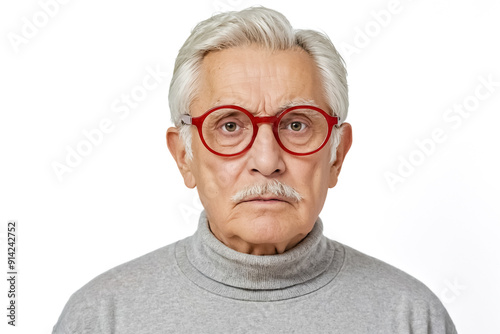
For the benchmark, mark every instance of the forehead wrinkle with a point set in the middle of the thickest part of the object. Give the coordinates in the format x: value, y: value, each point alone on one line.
x: 226, y: 93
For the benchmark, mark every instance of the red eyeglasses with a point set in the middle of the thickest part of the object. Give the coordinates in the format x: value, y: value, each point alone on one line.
x: 231, y: 130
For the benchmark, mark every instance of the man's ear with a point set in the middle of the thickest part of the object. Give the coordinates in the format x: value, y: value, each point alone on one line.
x: 178, y: 151
x: 342, y: 149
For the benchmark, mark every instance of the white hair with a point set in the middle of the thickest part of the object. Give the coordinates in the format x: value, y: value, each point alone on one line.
x: 264, y: 27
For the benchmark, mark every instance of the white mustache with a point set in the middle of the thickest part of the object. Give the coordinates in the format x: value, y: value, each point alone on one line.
x: 273, y: 187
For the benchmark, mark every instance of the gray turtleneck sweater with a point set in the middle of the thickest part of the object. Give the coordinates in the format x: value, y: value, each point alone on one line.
x: 199, y: 285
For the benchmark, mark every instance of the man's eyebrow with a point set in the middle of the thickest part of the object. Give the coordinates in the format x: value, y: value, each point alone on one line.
x: 298, y: 102
x: 280, y: 109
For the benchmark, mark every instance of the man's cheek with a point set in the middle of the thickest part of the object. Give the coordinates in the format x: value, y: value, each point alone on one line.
x: 224, y: 180
x: 228, y: 173
x: 211, y: 190
x: 217, y: 185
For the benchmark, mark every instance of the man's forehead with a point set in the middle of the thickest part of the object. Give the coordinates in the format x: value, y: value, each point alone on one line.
x: 258, y: 79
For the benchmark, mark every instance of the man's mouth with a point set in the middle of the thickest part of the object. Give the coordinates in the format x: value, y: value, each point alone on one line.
x: 264, y: 199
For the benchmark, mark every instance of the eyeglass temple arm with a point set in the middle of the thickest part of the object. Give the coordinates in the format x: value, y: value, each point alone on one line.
x: 186, y: 119
x: 339, y: 121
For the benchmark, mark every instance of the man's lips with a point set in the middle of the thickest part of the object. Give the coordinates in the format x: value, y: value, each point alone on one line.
x: 265, y: 199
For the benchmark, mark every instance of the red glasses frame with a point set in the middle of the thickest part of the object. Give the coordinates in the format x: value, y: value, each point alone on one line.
x: 274, y: 120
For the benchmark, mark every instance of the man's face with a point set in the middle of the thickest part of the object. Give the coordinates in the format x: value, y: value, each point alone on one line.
x: 263, y: 82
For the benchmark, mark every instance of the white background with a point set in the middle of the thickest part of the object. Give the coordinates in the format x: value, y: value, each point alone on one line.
x: 126, y: 198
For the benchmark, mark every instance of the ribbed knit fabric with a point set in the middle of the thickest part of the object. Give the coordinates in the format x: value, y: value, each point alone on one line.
x: 198, y: 285
x: 217, y: 268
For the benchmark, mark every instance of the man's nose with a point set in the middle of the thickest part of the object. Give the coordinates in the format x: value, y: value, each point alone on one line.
x: 266, y: 153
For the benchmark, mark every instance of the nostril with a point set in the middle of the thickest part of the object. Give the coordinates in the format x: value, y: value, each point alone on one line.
x: 276, y: 171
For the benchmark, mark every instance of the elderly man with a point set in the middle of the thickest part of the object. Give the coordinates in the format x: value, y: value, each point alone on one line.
x: 259, y: 110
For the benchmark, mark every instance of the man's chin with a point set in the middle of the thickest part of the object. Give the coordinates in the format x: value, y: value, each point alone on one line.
x: 265, y: 229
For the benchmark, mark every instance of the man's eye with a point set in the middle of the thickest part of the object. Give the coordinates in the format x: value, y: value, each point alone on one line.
x: 230, y: 126
x: 296, y: 126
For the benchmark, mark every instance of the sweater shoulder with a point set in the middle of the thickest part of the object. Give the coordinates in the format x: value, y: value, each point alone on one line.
x: 92, y: 304
x: 412, y: 304
x: 365, y: 268
x: 131, y: 274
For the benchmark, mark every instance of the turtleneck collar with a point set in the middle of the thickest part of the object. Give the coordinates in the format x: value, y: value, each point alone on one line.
x: 213, y: 266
